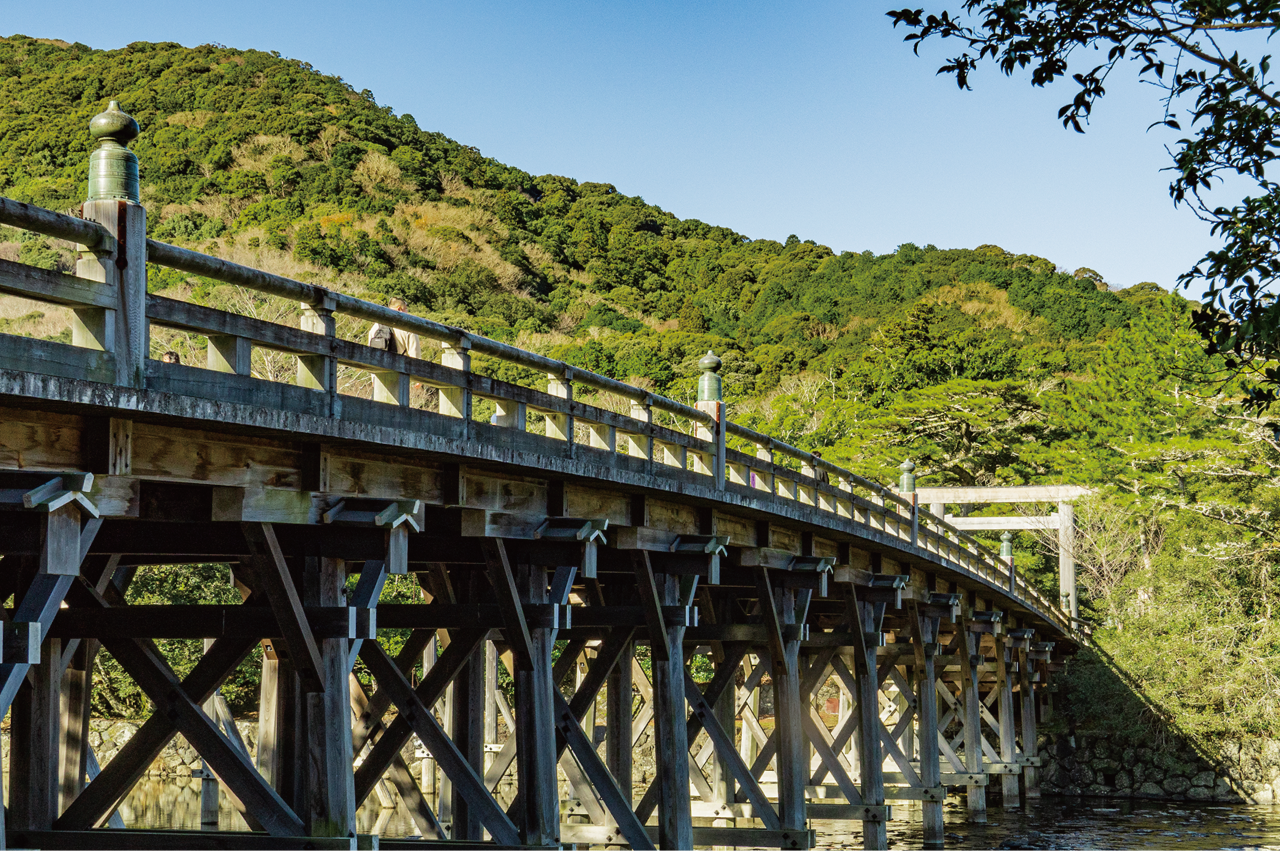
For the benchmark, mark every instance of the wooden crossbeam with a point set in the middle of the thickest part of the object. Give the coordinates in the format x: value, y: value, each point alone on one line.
x: 272, y: 571
x: 420, y: 813
x: 416, y: 712
x: 722, y: 680
x: 104, y: 793
x: 823, y: 743
x: 370, y: 720
x: 428, y: 692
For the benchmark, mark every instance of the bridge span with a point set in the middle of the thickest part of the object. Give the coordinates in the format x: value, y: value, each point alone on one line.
x: 590, y: 537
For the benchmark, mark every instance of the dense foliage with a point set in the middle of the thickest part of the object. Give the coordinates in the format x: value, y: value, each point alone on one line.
x: 1209, y: 62
x: 984, y: 366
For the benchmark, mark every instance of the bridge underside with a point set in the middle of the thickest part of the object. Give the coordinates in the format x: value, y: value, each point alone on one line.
x: 895, y: 674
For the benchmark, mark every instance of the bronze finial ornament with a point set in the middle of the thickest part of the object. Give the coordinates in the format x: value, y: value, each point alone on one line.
x: 113, y: 168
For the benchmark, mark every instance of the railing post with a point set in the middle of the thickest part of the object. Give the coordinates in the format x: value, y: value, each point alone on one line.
x: 907, y: 485
x: 764, y: 482
x: 711, y: 401
x: 560, y: 426
x: 318, y: 372
x: 113, y: 202
x: 456, y: 401
x: 1006, y: 553
x: 229, y: 354
x: 641, y: 446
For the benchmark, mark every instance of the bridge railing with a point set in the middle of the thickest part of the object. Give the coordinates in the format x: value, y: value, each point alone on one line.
x: 675, y: 440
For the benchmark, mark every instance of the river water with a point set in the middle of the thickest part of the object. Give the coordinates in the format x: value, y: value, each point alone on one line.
x: 1049, y: 823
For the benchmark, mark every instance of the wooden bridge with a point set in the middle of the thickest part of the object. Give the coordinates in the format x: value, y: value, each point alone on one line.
x: 627, y: 531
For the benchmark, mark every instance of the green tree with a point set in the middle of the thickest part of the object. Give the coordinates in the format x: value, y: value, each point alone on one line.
x: 1209, y: 63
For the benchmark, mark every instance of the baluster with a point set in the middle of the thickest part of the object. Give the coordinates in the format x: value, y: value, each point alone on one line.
x: 229, y: 354
x: 560, y: 425
x: 318, y: 372
x: 456, y: 401
x: 764, y: 480
x: 640, y: 446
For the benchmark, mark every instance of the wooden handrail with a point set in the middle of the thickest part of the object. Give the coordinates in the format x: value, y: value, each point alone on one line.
x: 69, y: 290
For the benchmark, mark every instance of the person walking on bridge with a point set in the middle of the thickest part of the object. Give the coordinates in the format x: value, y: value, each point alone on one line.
x: 395, y: 340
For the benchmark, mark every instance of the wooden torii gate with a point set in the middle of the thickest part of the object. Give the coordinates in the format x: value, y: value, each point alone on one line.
x: 1064, y: 521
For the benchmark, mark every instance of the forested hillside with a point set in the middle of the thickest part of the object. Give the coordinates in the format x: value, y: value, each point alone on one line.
x: 981, y: 365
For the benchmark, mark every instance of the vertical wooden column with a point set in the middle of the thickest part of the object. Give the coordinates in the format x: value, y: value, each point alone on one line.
x: 560, y: 426
x: 456, y: 401
x: 34, y: 766
x: 122, y: 331
x: 209, y: 786
x: 469, y: 708
x: 789, y: 708
x: 726, y: 713
x: 1067, y: 558
x: 1027, y: 689
x: 331, y: 784
x: 675, y: 813
x: 1007, y: 719
x: 870, y: 753
x: 318, y: 372
x: 618, y: 710
x: 976, y: 794
x: 77, y: 688
x: 535, y: 725
x: 926, y: 647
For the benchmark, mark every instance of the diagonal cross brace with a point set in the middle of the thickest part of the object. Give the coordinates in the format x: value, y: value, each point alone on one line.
x: 149, y: 669
x: 272, y: 572
x: 433, y: 685
x: 416, y: 713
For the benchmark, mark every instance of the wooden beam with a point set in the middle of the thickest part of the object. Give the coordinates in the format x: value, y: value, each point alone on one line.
x: 647, y: 590
x: 429, y: 691
x: 272, y: 571
x: 1007, y: 494
x: 504, y: 587
x: 418, y: 715
x: 618, y: 803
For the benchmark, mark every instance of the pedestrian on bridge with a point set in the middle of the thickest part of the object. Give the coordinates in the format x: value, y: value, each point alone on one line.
x: 395, y: 340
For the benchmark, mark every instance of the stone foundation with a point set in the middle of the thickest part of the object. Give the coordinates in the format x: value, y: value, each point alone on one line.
x: 1089, y: 765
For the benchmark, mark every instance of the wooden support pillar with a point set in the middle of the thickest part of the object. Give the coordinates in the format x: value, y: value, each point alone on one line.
x: 539, y: 819
x: 726, y: 712
x: 1027, y: 692
x: 468, y: 708
x: 34, y: 766
x: 618, y: 711
x: 209, y: 786
x: 331, y: 786
x: 790, y: 708
x: 925, y: 640
x: 76, y: 692
x: 870, y: 753
x: 975, y: 794
x: 675, y: 814
x: 1007, y: 720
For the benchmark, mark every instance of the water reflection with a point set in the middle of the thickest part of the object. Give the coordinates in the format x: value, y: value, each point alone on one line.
x: 1045, y: 824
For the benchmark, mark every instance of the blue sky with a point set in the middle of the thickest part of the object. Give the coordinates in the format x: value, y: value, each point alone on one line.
x: 772, y: 119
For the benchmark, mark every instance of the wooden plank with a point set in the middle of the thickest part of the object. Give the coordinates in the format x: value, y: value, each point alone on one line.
x: 205, y: 621
x: 419, y: 716
x: 671, y: 747
x: 47, y: 285
x: 429, y: 691
x: 271, y: 569
x: 1005, y: 494
x: 131, y: 839
x: 56, y: 359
